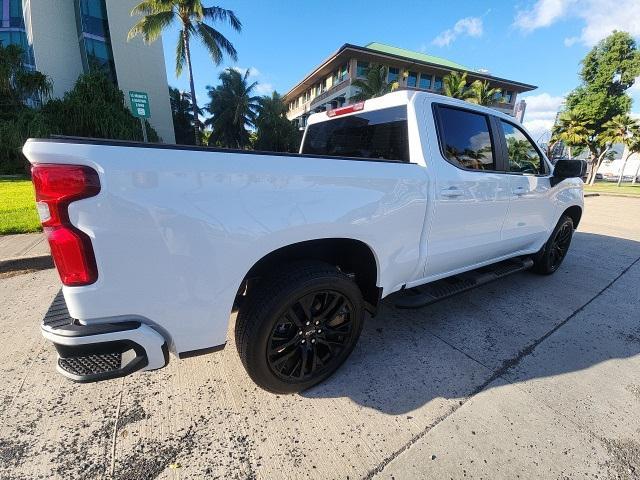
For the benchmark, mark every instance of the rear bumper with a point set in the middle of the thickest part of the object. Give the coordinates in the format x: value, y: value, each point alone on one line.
x: 90, y: 353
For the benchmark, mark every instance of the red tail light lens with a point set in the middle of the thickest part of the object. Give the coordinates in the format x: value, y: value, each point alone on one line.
x: 56, y: 187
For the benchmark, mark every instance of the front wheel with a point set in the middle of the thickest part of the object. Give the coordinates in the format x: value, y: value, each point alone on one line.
x: 299, y: 326
x: 549, y: 258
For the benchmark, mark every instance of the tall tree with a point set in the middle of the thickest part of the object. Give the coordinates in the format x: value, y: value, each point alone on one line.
x: 374, y: 84
x: 633, y: 148
x: 622, y: 129
x: 570, y: 130
x: 182, y: 113
x: 233, y: 108
x: 482, y: 93
x: 192, y: 17
x: 17, y: 84
x: 455, y: 85
x: 608, y: 70
x: 274, y: 132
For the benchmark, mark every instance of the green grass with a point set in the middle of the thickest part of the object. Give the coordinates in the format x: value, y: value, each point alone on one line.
x: 17, y: 207
x: 612, y: 187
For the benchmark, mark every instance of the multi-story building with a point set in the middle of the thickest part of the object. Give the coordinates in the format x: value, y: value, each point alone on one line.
x: 330, y: 84
x: 65, y: 38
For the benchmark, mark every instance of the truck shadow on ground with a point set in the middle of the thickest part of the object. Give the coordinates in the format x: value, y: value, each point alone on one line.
x: 452, y: 349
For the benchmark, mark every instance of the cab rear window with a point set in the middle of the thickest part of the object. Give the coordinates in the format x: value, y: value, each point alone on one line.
x: 380, y: 134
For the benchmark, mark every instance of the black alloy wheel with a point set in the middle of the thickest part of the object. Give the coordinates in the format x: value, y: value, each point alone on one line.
x: 311, y: 335
x: 299, y: 325
x: 551, y: 255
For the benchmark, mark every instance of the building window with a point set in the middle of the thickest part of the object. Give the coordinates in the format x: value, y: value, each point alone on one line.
x: 16, y: 19
x: 425, y: 81
x: 412, y: 79
x: 508, y: 96
x: 342, y: 72
x: 437, y: 84
x: 361, y: 69
x: 93, y: 33
x: 394, y: 74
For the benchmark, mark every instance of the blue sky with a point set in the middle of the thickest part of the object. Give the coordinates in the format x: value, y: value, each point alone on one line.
x: 540, y: 42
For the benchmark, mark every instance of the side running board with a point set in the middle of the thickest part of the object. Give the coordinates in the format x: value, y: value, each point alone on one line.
x: 429, y: 293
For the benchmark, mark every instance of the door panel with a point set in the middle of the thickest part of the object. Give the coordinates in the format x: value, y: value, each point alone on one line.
x: 469, y: 212
x: 531, y: 209
x: 471, y: 199
x: 530, y: 212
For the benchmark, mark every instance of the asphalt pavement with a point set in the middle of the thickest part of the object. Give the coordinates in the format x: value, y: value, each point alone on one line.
x: 527, y: 377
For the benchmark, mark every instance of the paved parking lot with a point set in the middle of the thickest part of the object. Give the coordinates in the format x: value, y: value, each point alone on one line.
x: 527, y: 377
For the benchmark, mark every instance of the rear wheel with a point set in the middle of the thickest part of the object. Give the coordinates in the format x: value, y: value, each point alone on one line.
x: 550, y: 257
x: 299, y: 326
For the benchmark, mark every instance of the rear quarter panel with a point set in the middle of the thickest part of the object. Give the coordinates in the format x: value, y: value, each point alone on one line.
x: 175, y: 231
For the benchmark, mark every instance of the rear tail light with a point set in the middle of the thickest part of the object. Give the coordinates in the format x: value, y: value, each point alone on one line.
x: 56, y: 187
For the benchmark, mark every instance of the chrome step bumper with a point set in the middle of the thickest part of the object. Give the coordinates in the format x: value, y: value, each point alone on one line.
x: 95, y: 352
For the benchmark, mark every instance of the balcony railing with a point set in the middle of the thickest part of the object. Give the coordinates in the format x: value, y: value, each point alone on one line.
x: 329, y: 92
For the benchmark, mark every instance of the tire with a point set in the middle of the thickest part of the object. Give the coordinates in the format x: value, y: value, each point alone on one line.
x: 550, y: 257
x: 298, y: 326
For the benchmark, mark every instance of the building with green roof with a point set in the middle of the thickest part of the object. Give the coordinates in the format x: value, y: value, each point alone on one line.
x: 330, y: 84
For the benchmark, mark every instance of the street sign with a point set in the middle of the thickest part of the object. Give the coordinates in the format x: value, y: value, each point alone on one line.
x: 140, y: 104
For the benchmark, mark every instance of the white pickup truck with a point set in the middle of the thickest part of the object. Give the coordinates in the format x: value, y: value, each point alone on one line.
x: 157, y: 245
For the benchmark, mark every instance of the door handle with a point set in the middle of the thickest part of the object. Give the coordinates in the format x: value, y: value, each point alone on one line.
x: 519, y: 191
x: 451, y: 192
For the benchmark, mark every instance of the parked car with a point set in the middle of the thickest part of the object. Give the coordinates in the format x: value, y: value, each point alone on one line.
x: 157, y: 244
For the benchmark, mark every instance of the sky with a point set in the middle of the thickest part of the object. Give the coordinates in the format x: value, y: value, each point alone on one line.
x: 539, y: 42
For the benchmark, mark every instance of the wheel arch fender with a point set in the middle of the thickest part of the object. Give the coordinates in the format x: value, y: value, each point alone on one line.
x: 354, y: 257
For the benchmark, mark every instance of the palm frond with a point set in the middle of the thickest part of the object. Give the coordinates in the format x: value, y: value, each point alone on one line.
x: 216, y: 43
x: 223, y: 15
x: 181, y: 56
x: 151, y: 26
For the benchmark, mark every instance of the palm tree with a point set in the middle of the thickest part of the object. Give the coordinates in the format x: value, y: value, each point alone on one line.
x: 621, y: 129
x: 182, y: 113
x: 233, y: 108
x: 192, y: 17
x: 455, y: 85
x: 274, y: 132
x: 374, y: 84
x: 481, y: 93
x: 571, y: 130
x: 17, y: 84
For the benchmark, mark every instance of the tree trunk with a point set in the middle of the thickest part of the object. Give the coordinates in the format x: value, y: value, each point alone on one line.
x: 597, y: 161
x: 194, y: 103
x: 624, y: 165
x: 633, y: 182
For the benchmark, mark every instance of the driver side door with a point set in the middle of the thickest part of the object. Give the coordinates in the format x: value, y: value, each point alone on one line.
x: 531, y: 209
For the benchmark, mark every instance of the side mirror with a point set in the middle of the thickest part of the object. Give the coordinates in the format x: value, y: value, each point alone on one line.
x: 568, y: 169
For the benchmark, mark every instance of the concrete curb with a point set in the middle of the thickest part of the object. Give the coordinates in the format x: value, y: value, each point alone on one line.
x: 41, y: 262
x: 606, y: 194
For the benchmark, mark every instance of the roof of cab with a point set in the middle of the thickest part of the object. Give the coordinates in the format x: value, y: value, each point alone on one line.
x: 404, y: 97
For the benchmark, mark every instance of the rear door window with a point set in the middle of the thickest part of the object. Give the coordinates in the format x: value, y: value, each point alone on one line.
x: 379, y: 134
x: 465, y: 138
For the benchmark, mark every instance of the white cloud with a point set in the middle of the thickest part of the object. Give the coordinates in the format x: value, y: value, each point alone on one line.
x: 540, y: 114
x: 471, y: 26
x: 600, y: 17
x: 264, y: 89
x: 253, y: 72
x: 542, y: 14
